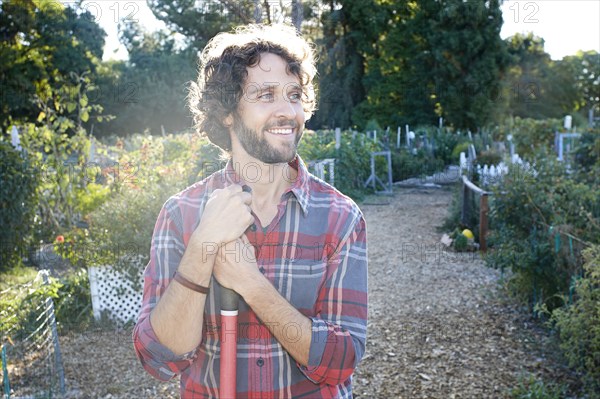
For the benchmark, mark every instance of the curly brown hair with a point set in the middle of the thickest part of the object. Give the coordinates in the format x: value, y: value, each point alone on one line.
x: 223, y: 71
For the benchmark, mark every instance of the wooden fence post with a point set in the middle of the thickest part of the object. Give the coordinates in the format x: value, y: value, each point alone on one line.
x: 483, y: 221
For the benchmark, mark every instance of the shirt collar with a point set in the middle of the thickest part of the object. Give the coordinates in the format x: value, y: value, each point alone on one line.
x: 299, y: 188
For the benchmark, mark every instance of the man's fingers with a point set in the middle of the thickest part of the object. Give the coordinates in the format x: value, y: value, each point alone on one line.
x: 246, y: 197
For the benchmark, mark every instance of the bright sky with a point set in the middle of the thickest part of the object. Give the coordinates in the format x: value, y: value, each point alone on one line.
x: 566, y: 25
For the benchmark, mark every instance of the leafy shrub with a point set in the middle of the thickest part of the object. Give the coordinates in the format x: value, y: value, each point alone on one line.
x: 530, y: 213
x: 18, y: 182
x: 460, y: 147
x: 22, y: 304
x: 446, y: 143
x: 406, y: 165
x: 531, y: 135
x: 532, y: 388
x: 352, y: 166
x: 587, y: 157
x: 488, y: 158
x: 579, y: 324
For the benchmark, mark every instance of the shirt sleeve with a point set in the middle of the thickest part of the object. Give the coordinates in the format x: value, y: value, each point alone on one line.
x: 165, y: 254
x: 339, y: 330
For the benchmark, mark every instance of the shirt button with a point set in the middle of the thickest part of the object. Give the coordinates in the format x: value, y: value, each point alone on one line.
x: 260, y: 362
x: 253, y: 227
x: 262, y: 270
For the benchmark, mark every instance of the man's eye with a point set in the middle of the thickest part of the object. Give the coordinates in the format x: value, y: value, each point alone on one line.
x: 266, y: 96
x: 295, y: 97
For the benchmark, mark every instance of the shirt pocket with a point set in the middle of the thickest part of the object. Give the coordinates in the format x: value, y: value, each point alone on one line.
x: 301, y: 281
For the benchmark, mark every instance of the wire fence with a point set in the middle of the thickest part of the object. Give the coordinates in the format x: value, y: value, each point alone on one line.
x: 31, y: 358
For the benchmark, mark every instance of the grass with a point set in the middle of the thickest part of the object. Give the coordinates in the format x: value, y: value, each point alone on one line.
x: 532, y: 388
x: 17, y: 276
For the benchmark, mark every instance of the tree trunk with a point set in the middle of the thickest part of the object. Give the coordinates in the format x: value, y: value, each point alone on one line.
x: 257, y: 12
x: 297, y: 14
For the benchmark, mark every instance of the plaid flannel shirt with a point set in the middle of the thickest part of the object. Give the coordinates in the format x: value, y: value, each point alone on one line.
x: 314, y: 252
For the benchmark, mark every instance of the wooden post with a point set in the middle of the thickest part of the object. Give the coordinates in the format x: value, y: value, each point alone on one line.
x: 483, y: 222
x: 464, y: 208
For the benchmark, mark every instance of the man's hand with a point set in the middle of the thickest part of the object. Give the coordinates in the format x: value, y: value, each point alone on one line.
x: 226, y: 216
x: 235, y: 264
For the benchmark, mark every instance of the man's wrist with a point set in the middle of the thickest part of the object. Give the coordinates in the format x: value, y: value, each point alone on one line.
x: 197, y: 262
x: 253, y: 287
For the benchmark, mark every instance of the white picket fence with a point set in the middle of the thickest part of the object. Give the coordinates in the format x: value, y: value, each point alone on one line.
x: 491, y: 174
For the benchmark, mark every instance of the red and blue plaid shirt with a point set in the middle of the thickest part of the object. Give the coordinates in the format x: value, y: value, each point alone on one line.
x: 315, y: 254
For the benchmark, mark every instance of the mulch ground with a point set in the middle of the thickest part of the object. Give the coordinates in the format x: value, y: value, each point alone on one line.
x: 438, y: 326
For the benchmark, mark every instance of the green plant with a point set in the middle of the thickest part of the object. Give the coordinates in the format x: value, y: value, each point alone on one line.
x: 18, y: 196
x: 532, y: 388
x: 73, y: 303
x: 406, y: 165
x: 531, y: 213
x: 587, y: 157
x: 352, y: 165
x: 488, y: 158
x: 578, y: 324
x: 531, y: 135
x: 460, y: 243
x: 460, y: 147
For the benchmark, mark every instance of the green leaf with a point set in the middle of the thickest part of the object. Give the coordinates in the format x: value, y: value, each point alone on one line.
x: 85, y: 116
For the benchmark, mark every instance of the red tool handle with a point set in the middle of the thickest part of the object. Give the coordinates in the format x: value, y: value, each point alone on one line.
x: 228, y: 364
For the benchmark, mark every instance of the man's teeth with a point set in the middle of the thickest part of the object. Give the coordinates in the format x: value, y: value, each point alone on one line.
x: 281, y: 131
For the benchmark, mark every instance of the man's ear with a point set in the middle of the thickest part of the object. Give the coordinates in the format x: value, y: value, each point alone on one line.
x: 228, y: 121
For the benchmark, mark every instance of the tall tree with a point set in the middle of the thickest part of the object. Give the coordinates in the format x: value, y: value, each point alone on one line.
x: 468, y: 57
x: 349, y: 29
x: 527, y: 82
x: 199, y: 21
x: 43, y: 47
x: 584, y: 70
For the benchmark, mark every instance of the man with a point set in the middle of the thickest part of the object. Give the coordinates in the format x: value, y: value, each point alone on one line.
x: 290, y: 245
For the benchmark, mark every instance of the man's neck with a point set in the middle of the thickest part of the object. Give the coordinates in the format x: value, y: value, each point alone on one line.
x: 267, y: 181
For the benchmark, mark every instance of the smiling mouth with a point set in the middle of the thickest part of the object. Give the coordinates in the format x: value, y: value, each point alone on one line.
x: 281, y: 130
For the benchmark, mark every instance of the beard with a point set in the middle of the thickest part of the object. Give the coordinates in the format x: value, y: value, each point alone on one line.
x: 257, y: 146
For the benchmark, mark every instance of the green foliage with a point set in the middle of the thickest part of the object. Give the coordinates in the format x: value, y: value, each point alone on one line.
x: 532, y: 388
x: 21, y: 304
x: 488, y: 158
x: 148, y: 92
x: 530, y: 214
x: 460, y: 147
x: 446, y: 144
x: 460, y: 243
x: 352, y: 166
x: 537, y: 87
x: 348, y: 30
x: 587, y: 157
x: 579, y: 323
x: 531, y: 135
x: 121, y: 227
x: 435, y: 59
x: 18, y: 196
x: 406, y: 165
x: 42, y: 43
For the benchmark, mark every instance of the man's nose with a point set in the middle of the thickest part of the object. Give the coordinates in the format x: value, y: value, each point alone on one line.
x: 285, y: 108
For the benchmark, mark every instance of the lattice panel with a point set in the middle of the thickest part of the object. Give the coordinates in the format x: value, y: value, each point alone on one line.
x: 113, y: 293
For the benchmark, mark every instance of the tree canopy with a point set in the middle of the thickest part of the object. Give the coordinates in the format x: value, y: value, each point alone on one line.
x: 43, y: 46
x: 385, y: 62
